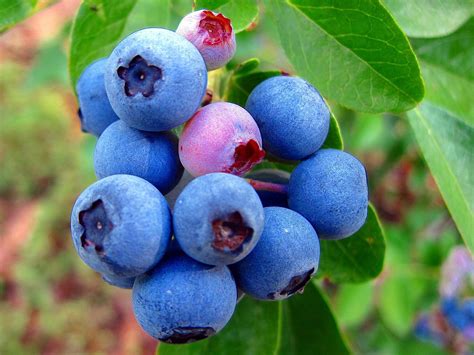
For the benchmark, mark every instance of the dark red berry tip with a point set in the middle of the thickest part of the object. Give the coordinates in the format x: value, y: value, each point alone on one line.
x: 246, y: 156
x: 218, y: 27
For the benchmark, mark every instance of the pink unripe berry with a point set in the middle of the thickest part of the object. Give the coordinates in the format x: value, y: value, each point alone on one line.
x: 212, y: 34
x: 220, y: 137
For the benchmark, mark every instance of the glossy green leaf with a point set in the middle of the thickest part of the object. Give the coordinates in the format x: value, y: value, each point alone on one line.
x: 253, y: 329
x: 149, y: 13
x: 453, y: 53
x: 309, y: 326
x: 304, y: 324
x: 449, y: 91
x: 444, y: 123
x: 14, y: 11
x: 97, y: 28
x: 334, y: 138
x: 355, y: 259
x: 446, y: 143
x: 430, y: 18
x: 352, y: 51
x: 242, y: 13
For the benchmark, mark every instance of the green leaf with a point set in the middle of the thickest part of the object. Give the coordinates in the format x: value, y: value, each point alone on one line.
x: 97, y: 28
x: 430, y: 18
x: 449, y: 91
x: 334, y: 138
x: 304, y: 324
x: 355, y: 259
x: 352, y: 51
x: 14, y: 11
x: 253, y: 329
x: 444, y: 123
x: 309, y: 326
x: 242, y: 13
x: 149, y: 13
x: 454, y: 53
x: 446, y: 143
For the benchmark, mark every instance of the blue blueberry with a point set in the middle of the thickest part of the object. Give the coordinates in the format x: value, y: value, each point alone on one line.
x: 95, y: 111
x: 155, y: 79
x: 182, y: 300
x: 218, y: 219
x: 425, y: 329
x: 452, y: 311
x: 330, y: 190
x: 270, y: 198
x: 121, y: 226
x: 117, y: 281
x: 467, y: 308
x: 153, y: 156
x: 292, y: 116
x: 284, y: 260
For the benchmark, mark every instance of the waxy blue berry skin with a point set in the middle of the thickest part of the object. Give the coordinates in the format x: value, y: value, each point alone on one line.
x: 153, y: 156
x: 95, y: 111
x: 284, y: 260
x: 155, y: 79
x: 330, y: 190
x: 117, y: 281
x: 182, y: 300
x: 218, y: 219
x: 292, y: 116
x: 452, y: 310
x: 121, y: 226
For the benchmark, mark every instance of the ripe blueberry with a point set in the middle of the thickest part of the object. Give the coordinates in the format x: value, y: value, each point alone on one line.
x: 220, y: 137
x: 182, y: 300
x: 153, y: 156
x: 155, y: 79
x: 292, y: 116
x: 95, y: 111
x: 330, y: 190
x: 453, y: 312
x: 121, y: 226
x: 218, y: 219
x: 284, y: 260
x: 212, y: 35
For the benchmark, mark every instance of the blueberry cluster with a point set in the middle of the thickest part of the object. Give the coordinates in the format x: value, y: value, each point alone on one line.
x: 227, y: 234
x: 450, y: 322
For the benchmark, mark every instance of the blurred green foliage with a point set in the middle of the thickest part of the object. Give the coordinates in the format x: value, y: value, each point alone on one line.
x: 52, y: 303
x: 35, y: 139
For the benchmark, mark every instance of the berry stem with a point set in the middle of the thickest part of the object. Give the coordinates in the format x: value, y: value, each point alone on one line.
x: 268, y: 186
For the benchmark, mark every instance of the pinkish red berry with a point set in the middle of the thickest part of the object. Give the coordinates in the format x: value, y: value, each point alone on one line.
x: 220, y: 137
x: 212, y: 34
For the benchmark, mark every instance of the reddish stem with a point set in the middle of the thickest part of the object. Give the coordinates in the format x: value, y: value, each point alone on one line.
x: 268, y: 186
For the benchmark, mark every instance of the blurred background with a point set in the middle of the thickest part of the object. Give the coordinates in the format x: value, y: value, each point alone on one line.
x: 51, y: 303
